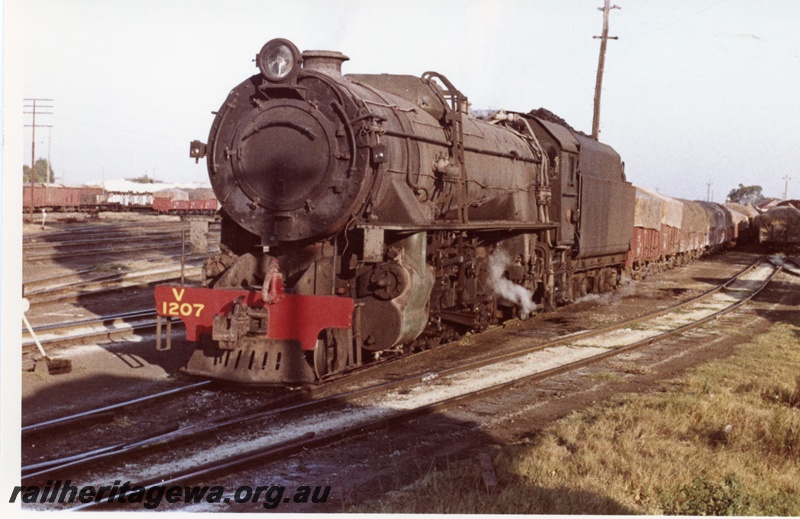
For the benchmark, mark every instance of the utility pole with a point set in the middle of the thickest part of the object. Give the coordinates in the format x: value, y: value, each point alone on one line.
x: 601, y: 65
x: 34, y: 111
x: 49, y: 149
x: 49, y: 167
x: 786, y: 180
x: 708, y: 193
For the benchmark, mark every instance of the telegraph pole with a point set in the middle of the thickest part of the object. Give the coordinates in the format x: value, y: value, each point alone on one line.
x: 708, y: 193
x: 36, y: 109
x: 786, y: 180
x: 601, y: 65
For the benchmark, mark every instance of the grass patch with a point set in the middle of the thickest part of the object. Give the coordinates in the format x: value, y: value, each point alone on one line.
x: 722, y: 440
x: 606, y: 376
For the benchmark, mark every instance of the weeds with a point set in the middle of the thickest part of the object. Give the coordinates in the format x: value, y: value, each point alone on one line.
x: 777, y: 393
x: 606, y: 376
x: 703, y: 497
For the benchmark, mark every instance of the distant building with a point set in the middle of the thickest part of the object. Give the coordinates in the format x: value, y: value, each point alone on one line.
x: 128, y: 193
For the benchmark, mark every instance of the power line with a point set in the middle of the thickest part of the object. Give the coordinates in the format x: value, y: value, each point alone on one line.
x: 659, y: 16
x: 675, y: 21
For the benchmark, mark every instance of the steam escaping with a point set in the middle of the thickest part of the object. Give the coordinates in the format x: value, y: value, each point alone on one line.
x: 506, y: 289
x: 626, y: 288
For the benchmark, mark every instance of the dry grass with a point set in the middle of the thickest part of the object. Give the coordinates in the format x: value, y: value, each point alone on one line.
x: 722, y: 440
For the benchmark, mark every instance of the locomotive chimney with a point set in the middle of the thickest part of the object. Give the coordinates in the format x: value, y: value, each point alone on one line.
x: 325, y: 61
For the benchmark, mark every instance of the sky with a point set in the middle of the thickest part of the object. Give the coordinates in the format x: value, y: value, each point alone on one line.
x: 695, y: 92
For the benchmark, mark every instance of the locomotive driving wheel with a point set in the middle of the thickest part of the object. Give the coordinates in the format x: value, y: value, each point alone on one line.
x: 330, y: 355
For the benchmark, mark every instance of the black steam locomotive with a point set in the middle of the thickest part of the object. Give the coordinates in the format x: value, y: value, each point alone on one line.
x: 365, y: 213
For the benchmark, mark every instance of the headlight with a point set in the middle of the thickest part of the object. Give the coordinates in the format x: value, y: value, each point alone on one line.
x: 279, y: 60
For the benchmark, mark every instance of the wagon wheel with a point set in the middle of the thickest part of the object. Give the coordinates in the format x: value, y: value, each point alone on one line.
x: 330, y: 355
x: 580, y: 287
x: 603, y: 282
x: 607, y: 278
x: 575, y: 288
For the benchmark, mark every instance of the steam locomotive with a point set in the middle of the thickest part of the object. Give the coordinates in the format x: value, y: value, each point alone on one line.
x: 370, y: 213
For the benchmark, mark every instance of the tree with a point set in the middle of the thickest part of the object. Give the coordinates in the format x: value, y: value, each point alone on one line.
x: 44, y: 172
x: 144, y: 180
x: 746, y: 195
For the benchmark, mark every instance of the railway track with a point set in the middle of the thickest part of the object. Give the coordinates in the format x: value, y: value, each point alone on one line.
x: 123, y: 246
x: 789, y: 264
x: 120, y: 226
x: 96, y: 242
x: 74, y: 239
x: 106, y: 283
x: 92, y: 274
x: 61, y: 254
x: 70, y: 241
x: 61, y: 289
x: 96, y: 230
x: 105, y: 411
x: 321, y: 420
x: 108, y: 327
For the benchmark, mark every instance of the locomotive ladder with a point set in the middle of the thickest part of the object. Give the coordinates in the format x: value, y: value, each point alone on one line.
x: 455, y: 119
